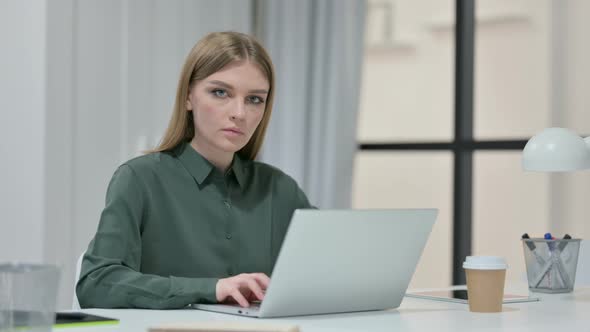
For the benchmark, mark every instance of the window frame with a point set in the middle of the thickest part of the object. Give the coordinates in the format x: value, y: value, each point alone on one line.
x: 464, y: 144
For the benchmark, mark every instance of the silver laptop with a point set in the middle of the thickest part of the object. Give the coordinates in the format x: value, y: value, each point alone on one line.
x: 335, y: 261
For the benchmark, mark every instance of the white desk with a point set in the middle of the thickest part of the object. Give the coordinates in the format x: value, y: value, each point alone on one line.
x: 556, y: 312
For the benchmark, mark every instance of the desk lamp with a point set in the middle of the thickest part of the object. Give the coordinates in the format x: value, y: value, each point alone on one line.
x: 556, y: 150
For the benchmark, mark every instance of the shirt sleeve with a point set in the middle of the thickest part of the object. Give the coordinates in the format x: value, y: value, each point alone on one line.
x: 110, y: 273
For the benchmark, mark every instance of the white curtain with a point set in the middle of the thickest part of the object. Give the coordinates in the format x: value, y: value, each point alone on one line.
x: 111, y: 74
x: 317, y: 49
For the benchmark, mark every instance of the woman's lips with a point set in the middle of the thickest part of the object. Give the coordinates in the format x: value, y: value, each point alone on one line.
x: 233, y: 131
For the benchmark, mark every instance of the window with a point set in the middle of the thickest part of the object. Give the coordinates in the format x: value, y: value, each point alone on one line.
x: 407, y: 99
x: 452, y: 90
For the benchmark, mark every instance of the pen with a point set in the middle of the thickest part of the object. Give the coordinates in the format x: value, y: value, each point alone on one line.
x: 546, y: 265
x: 537, y: 281
x: 554, y: 259
x: 564, y: 243
x: 558, y: 271
x: 560, y: 267
x: 551, y: 245
x: 529, y: 244
x: 532, y: 247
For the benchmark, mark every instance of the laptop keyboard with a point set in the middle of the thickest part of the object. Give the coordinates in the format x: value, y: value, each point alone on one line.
x: 253, y: 305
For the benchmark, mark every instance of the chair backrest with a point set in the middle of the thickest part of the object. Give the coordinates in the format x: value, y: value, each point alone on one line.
x: 75, y: 303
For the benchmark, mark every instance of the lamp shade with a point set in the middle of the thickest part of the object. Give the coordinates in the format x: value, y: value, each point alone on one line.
x: 556, y: 150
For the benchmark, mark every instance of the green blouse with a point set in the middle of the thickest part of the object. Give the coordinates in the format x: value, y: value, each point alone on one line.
x: 173, y: 225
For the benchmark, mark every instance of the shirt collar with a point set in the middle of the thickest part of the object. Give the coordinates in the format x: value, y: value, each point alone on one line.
x: 200, y: 168
x: 238, y: 167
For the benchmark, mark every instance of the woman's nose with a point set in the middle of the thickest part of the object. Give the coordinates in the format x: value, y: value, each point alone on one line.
x: 238, y: 110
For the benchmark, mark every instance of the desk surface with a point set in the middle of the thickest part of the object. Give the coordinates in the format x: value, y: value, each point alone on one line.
x: 555, y: 312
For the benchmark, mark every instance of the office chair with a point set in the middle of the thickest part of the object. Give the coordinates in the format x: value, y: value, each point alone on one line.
x: 75, y: 303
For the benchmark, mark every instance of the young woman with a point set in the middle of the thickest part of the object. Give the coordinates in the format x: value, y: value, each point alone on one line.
x: 197, y: 219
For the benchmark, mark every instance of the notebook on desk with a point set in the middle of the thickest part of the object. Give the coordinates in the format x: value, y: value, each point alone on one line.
x: 76, y: 318
x: 22, y: 319
x: 461, y: 296
x: 335, y: 261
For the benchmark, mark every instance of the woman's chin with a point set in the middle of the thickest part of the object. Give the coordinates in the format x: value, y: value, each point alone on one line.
x: 231, y: 147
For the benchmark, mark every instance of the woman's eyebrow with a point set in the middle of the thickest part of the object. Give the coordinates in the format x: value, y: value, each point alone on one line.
x: 229, y: 87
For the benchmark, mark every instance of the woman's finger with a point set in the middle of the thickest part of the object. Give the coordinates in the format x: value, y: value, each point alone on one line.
x: 238, y: 297
x: 262, y: 279
x: 255, y: 288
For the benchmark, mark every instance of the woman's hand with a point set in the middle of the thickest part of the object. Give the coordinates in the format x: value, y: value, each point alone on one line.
x: 243, y: 288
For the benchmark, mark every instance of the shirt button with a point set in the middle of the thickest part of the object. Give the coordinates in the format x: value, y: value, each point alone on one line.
x: 228, y: 236
x: 227, y: 204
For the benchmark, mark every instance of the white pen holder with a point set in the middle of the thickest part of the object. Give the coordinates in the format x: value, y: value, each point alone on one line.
x: 551, y: 264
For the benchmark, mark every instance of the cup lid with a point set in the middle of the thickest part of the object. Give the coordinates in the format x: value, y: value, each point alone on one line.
x: 485, y: 263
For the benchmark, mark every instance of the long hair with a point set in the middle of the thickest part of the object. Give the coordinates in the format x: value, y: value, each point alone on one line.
x: 209, y: 55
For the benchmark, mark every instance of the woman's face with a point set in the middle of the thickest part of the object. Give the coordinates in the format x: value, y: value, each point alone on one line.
x: 227, y: 107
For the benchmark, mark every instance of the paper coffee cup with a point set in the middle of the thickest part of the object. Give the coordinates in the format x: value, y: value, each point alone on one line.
x: 485, y: 282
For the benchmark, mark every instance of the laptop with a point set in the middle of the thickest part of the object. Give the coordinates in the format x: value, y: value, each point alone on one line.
x: 336, y: 261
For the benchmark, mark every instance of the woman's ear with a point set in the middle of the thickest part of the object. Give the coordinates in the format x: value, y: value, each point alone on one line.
x: 189, y: 106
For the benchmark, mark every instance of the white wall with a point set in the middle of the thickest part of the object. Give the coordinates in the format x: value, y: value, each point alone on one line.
x: 570, y: 210
x: 407, y: 90
x: 512, y: 93
x: 22, y: 129
x: 412, y: 180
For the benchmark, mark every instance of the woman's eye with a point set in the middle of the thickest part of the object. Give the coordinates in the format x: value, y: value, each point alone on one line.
x: 255, y: 100
x: 219, y: 93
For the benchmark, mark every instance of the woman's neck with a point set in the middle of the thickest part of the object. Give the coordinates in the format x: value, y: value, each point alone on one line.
x: 221, y: 160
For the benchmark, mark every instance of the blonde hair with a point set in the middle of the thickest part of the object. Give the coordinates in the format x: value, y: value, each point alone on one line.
x: 209, y: 55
